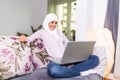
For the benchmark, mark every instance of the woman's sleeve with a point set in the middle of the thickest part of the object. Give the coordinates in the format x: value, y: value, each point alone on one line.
x: 34, y: 36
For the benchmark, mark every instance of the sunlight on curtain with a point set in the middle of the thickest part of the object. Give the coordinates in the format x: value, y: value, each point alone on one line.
x: 90, y: 17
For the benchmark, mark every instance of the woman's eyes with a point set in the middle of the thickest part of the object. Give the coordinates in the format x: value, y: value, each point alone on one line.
x: 54, y: 22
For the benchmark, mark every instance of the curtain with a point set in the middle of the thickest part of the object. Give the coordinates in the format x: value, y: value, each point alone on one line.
x: 111, y: 19
x: 117, y: 60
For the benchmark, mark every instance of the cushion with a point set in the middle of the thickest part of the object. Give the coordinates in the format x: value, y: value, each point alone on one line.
x: 100, y: 52
x: 39, y: 53
x: 104, y: 38
x: 15, y: 57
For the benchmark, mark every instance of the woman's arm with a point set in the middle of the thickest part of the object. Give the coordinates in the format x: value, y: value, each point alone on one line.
x: 32, y: 37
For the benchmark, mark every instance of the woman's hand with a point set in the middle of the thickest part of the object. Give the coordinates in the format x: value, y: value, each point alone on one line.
x: 22, y: 38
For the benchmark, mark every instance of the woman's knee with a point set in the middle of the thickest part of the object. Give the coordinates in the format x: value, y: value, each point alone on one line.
x: 53, y: 71
x: 95, y: 59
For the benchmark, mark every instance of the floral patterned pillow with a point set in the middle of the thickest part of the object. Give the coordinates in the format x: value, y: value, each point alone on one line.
x: 39, y: 53
x: 15, y: 57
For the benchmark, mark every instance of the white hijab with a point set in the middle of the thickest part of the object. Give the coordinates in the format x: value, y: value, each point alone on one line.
x: 50, y: 17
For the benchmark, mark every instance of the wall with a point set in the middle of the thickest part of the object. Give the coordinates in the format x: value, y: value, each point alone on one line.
x: 19, y: 15
x: 39, y: 10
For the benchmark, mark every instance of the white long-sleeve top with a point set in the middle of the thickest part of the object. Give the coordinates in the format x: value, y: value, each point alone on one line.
x: 54, y: 47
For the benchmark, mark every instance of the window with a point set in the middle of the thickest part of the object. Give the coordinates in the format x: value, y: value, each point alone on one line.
x: 66, y: 12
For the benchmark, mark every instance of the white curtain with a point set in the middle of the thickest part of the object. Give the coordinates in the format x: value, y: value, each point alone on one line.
x: 117, y: 60
x: 90, y: 16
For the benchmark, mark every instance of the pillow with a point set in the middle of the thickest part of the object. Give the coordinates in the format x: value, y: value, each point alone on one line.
x: 100, y: 52
x: 104, y: 38
x: 39, y: 53
x: 15, y: 57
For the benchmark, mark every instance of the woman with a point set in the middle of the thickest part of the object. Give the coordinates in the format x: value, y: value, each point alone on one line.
x: 55, y: 41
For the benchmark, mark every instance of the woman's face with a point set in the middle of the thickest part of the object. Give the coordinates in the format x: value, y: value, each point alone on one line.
x: 52, y: 25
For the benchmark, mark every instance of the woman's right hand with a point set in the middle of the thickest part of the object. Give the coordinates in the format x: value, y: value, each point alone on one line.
x: 22, y: 38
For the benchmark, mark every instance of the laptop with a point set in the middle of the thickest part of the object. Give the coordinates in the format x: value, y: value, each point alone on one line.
x: 75, y: 51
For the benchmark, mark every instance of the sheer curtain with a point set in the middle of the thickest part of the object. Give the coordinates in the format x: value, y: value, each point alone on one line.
x: 117, y: 60
x: 90, y: 16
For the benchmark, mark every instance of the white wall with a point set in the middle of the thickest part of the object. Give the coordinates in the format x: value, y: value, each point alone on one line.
x: 39, y: 10
x: 19, y: 15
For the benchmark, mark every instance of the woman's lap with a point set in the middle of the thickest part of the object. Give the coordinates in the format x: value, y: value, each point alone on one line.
x: 58, y: 71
